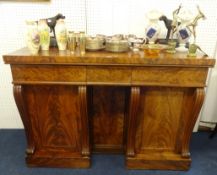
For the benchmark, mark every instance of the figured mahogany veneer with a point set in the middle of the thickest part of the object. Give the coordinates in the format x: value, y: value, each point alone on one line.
x: 140, y: 105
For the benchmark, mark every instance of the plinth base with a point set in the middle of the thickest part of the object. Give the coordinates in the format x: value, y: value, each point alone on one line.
x: 152, y: 162
x: 82, y: 162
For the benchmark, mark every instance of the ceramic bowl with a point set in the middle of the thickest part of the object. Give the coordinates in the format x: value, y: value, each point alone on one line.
x: 153, y: 49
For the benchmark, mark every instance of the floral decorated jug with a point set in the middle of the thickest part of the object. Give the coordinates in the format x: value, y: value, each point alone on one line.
x: 44, y: 32
x: 32, y: 37
x: 153, y: 28
x: 61, y: 34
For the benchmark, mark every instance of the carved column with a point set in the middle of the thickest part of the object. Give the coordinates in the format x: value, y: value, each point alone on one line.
x: 20, y: 102
x: 131, y: 123
x: 196, y: 107
x: 85, y: 150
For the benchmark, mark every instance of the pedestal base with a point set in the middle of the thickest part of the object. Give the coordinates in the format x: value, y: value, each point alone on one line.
x: 80, y: 162
x: 160, y: 162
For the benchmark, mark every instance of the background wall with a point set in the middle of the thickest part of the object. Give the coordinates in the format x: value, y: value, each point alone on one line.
x: 96, y: 16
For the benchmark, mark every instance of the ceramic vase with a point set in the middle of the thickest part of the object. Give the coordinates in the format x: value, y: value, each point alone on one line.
x: 153, y: 28
x: 61, y: 34
x: 183, y: 32
x: 32, y: 37
x: 44, y: 32
x: 183, y: 36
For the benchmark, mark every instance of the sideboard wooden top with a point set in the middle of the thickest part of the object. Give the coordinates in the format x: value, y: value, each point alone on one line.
x: 54, y: 56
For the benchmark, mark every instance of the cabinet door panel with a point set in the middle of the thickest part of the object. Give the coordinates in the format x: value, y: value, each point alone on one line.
x: 160, y: 122
x: 55, y: 118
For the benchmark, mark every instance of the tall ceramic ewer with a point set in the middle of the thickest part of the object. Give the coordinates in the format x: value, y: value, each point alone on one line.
x: 32, y: 37
x: 44, y: 32
x: 153, y: 28
x: 61, y: 34
x: 183, y: 31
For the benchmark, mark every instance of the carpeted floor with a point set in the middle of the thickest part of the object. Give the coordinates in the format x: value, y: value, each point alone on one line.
x: 12, y: 146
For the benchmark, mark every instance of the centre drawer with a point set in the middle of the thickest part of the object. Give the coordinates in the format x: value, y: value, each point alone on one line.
x: 105, y: 75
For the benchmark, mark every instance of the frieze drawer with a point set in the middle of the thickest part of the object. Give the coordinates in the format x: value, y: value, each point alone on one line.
x: 169, y: 76
x: 48, y: 74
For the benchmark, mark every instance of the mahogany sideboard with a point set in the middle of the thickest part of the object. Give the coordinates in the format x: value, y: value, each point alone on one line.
x: 142, y: 106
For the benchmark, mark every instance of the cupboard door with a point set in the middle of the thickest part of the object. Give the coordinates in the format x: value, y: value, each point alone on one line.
x: 162, y: 127
x: 56, y: 120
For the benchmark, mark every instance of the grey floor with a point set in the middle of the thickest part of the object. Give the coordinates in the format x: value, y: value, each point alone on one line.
x: 12, y: 146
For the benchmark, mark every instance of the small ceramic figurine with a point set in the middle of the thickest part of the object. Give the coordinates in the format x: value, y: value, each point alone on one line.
x: 153, y: 28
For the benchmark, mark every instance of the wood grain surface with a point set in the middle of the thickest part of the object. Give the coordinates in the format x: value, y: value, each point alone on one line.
x: 56, y: 122
x: 131, y: 120
x: 102, y: 75
x: 23, y: 56
x: 172, y: 76
x: 165, y: 121
x: 108, y: 75
x: 158, y: 160
x: 33, y: 74
x: 85, y: 138
x: 22, y: 107
x: 159, y: 118
x: 108, y: 119
x: 193, y: 106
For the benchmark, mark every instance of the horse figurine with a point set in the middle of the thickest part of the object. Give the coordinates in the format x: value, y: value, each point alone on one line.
x: 168, y: 25
x: 51, y: 22
x: 171, y: 25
